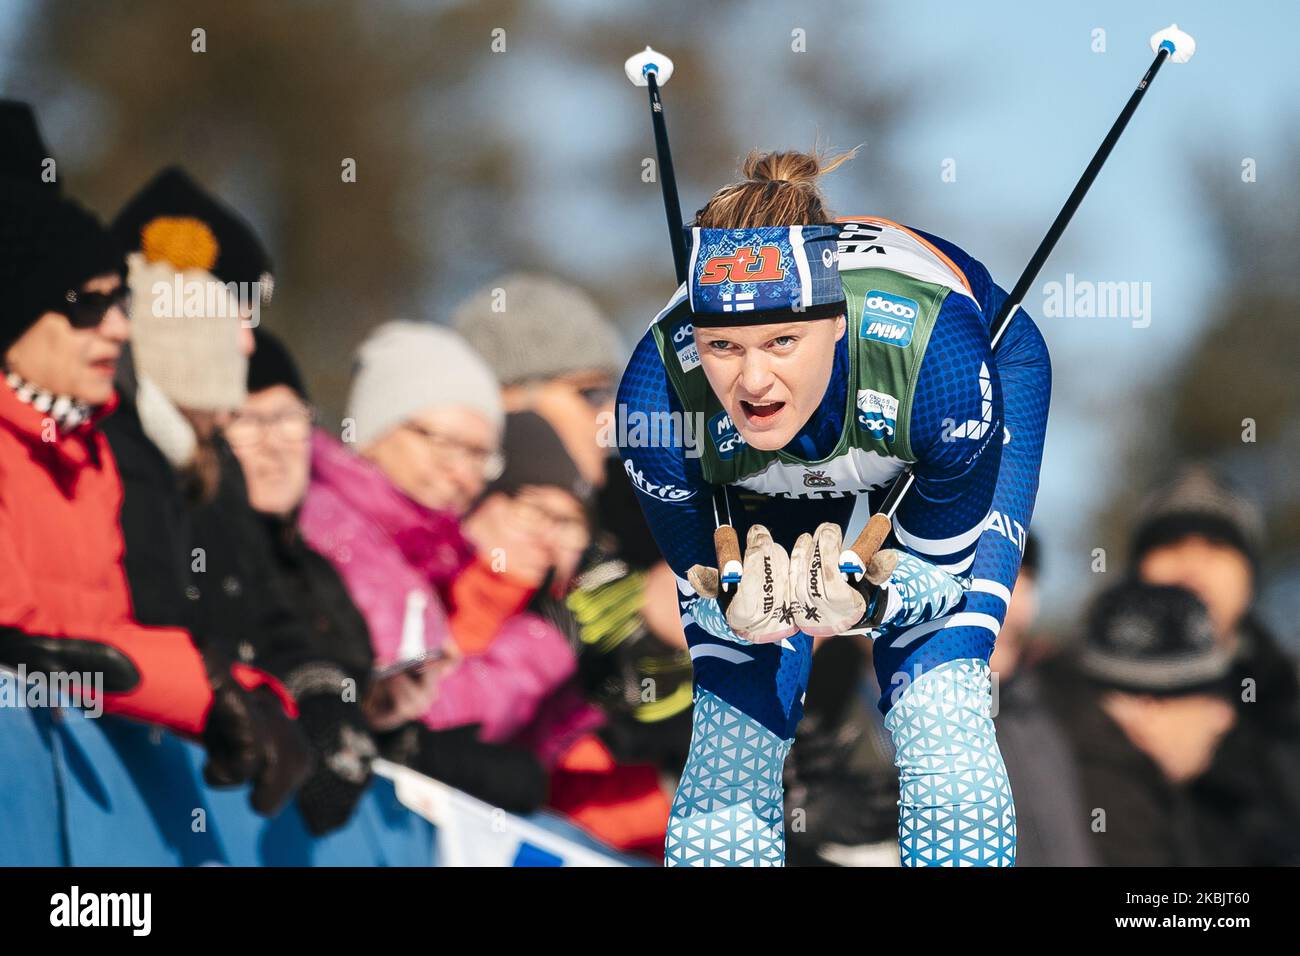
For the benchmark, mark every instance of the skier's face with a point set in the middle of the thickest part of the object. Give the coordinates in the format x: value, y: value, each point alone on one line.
x: 770, y: 378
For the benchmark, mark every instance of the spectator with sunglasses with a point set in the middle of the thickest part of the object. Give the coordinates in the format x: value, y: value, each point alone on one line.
x: 68, y: 608
x: 420, y: 443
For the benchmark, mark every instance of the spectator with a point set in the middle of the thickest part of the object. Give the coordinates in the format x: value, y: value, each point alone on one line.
x: 557, y: 355
x: 553, y: 352
x: 194, y: 555
x: 1155, y: 707
x: 1200, y: 533
x: 633, y: 660
x: 349, y: 714
x: 270, y: 435
x: 1051, y: 819
x: 533, y: 520
x: 62, y: 332
x: 424, y: 414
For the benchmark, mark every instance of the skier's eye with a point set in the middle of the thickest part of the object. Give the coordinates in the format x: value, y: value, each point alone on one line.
x: 784, y: 341
x: 719, y: 345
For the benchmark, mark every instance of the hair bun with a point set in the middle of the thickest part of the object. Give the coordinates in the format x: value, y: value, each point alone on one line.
x: 755, y: 202
x: 789, y: 167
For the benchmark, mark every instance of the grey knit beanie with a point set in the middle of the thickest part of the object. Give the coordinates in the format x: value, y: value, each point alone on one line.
x: 403, y: 368
x: 1199, y: 501
x: 531, y: 328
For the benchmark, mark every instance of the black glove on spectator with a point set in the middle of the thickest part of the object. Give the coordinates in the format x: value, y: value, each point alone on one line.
x: 342, y: 746
x: 249, y: 736
x: 66, y: 655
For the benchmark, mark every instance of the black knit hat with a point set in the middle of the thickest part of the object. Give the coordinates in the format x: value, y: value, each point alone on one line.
x: 24, y: 154
x: 271, y: 364
x: 1197, y: 501
x: 1153, y: 639
x: 535, y: 455
x: 48, y: 247
x: 171, y: 196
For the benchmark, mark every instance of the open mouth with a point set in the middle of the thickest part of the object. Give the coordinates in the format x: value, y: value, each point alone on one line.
x: 761, y: 411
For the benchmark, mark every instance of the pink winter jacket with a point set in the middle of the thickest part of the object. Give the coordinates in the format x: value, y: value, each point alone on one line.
x: 398, y: 559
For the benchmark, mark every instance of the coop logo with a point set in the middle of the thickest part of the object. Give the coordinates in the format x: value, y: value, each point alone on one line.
x: 683, y: 335
x: 877, y: 413
x: 888, y: 318
x: 725, y: 436
x: 746, y: 264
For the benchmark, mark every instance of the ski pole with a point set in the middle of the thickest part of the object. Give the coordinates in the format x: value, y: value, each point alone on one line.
x: 1169, y: 43
x: 650, y: 68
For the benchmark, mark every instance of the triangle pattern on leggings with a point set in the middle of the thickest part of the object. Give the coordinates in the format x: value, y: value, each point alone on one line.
x: 955, y: 805
x: 728, y: 808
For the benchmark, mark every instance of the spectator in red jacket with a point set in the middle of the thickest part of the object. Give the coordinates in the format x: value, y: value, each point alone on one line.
x: 64, y: 600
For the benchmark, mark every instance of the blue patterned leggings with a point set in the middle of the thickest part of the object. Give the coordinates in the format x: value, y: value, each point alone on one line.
x: 955, y: 805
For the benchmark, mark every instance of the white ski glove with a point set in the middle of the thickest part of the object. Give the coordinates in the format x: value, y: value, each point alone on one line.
x: 826, y: 602
x: 833, y: 592
x: 760, y: 609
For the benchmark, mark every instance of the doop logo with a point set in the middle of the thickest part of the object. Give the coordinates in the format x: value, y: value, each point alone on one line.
x: 888, y: 318
x: 725, y: 436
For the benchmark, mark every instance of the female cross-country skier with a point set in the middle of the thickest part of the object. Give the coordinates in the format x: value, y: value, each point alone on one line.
x: 820, y: 356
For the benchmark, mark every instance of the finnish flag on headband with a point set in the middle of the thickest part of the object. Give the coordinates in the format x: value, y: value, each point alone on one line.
x: 762, y: 275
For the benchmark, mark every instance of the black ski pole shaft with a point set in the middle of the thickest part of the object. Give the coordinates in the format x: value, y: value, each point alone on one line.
x: 878, y: 526
x: 1039, y: 259
x: 667, y: 179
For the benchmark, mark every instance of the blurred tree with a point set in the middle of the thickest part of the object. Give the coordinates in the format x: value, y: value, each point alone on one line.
x: 443, y: 133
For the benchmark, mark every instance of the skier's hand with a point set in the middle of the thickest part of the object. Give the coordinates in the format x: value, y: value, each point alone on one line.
x: 761, y: 611
x: 907, y: 590
x: 825, y: 601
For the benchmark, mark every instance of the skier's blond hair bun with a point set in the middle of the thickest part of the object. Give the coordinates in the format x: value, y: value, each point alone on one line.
x: 779, y: 189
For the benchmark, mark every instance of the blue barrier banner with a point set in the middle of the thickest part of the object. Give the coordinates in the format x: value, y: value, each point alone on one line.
x: 102, y: 791
x: 109, y: 792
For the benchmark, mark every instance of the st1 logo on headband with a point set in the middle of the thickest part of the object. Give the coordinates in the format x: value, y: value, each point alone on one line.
x: 739, y: 266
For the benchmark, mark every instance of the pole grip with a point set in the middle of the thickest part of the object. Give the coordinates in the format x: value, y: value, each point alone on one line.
x: 727, y: 544
x: 872, y: 538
